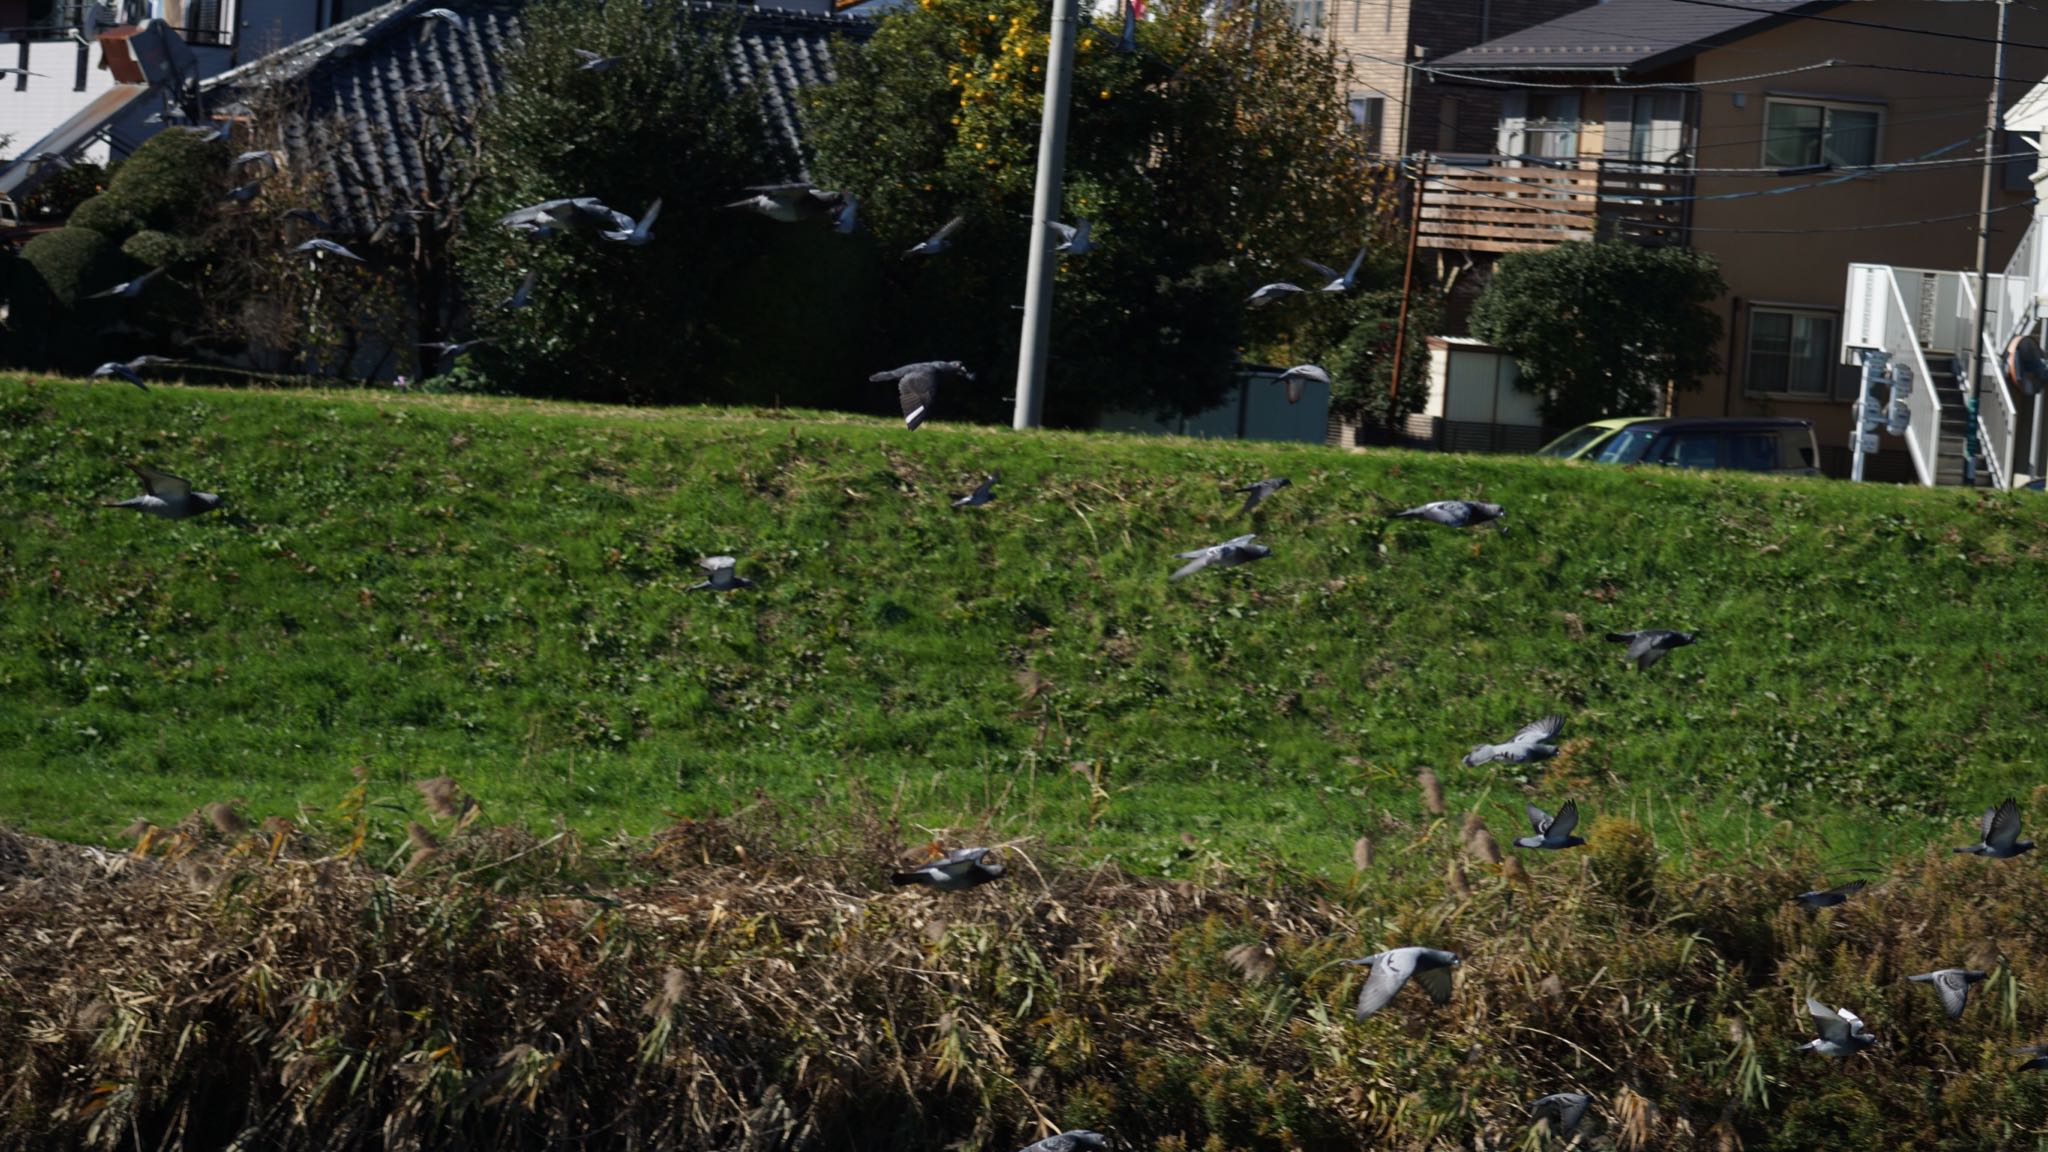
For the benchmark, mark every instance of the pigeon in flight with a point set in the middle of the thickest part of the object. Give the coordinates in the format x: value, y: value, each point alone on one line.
x: 983, y: 494
x: 592, y: 62
x: 131, y: 371
x: 243, y: 193
x: 1073, y: 1141
x: 454, y: 348
x: 451, y: 18
x: 128, y: 289
x: 312, y: 219
x: 1340, y: 281
x: 1391, y: 970
x: 1127, y: 43
x: 19, y: 72
x: 551, y: 217
x: 793, y: 203
x: 1531, y: 742
x: 1649, y: 645
x: 1552, y: 831
x: 938, y: 241
x: 722, y: 578
x: 1268, y: 293
x: 1073, y: 238
x: 1840, y: 893
x: 2039, y: 1052
x: 521, y: 296
x: 1564, y: 1109
x: 2001, y: 833
x: 1457, y: 513
x: 1952, y: 985
x: 1841, y: 1031
x: 635, y: 232
x: 320, y: 247
x: 257, y: 156
x: 168, y: 496
x: 1296, y: 378
x: 1255, y: 494
x: 1229, y: 554
x: 917, y: 385
x: 959, y: 870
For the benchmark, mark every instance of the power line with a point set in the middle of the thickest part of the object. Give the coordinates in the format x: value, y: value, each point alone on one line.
x: 1466, y: 77
x: 1819, y: 19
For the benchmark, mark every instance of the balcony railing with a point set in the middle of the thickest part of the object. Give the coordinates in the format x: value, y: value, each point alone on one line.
x: 1504, y: 204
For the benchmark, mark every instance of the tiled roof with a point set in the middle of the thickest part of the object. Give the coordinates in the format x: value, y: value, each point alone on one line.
x: 1630, y: 35
x: 373, y: 83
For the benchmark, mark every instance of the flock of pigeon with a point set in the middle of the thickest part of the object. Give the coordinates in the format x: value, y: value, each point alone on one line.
x: 1840, y: 1032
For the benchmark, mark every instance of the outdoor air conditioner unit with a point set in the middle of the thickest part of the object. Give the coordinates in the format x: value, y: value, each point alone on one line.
x: 1865, y: 301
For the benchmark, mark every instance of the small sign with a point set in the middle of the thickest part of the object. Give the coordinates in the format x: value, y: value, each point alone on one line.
x: 1866, y: 441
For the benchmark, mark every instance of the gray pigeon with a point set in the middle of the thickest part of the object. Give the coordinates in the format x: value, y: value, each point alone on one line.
x: 1532, y: 742
x: 983, y: 494
x: 1564, y: 1109
x: 168, y: 496
x: 454, y: 348
x: 1340, y: 281
x: 938, y: 241
x: 1229, y: 554
x: 320, y: 247
x: 1815, y: 901
x: 311, y: 218
x: 553, y: 217
x: 2039, y: 1052
x: 131, y: 371
x: 1255, y: 494
x: 1295, y: 379
x: 521, y: 296
x: 793, y: 203
x: 917, y: 386
x: 1391, y: 970
x: 1268, y: 293
x: 447, y: 16
x: 1649, y: 645
x: 243, y: 193
x: 128, y: 289
x: 1457, y: 513
x: 592, y: 62
x: 258, y: 156
x: 959, y: 870
x: 1073, y: 238
x: 1073, y: 1141
x: 635, y: 232
x: 722, y: 577
x: 2001, y: 833
x: 1554, y: 832
x: 1952, y: 985
x: 1841, y: 1031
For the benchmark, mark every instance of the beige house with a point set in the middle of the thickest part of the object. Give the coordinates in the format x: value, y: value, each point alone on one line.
x: 1787, y: 140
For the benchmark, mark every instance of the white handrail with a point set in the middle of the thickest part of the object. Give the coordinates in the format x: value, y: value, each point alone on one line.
x: 1998, y: 422
x: 1923, y: 433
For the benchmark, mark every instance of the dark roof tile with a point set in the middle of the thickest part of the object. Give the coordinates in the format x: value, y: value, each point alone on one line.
x: 1628, y: 35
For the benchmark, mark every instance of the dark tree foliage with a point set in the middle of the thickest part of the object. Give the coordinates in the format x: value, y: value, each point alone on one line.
x: 609, y: 321
x: 1209, y: 161
x: 1600, y: 328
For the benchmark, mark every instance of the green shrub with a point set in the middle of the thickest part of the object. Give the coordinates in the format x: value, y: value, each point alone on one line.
x: 154, y: 249
x: 74, y: 263
x: 171, y: 184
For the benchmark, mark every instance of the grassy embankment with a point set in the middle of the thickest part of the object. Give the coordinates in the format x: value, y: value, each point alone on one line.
x: 493, y: 590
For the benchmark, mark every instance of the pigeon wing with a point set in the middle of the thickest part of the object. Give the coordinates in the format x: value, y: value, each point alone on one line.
x: 1200, y: 561
x: 1539, y: 819
x: 1572, y: 1109
x: 1436, y: 982
x: 915, y: 392
x: 947, y: 229
x: 2002, y: 825
x: 716, y: 563
x: 1390, y: 972
x: 1833, y: 1026
x: 1644, y: 644
x: 1240, y: 541
x: 1846, y: 890
x: 1954, y: 987
x: 1567, y: 819
x: 1538, y: 732
x: 1322, y: 269
x: 162, y: 483
x: 1451, y: 513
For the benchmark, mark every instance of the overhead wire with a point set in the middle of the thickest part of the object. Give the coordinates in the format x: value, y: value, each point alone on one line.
x: 1818, y: 18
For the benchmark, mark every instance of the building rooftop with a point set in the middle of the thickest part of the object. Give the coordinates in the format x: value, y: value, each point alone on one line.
x: 1628, y: 35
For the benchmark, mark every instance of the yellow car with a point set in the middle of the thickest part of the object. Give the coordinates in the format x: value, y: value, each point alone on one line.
x: 1585, y: 441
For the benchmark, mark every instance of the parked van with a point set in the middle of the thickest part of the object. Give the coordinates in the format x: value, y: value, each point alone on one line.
x: 1760, y: 444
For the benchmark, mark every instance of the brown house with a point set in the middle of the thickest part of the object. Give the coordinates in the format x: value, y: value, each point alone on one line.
x: 1788, y: 140
x: 1401, y: 110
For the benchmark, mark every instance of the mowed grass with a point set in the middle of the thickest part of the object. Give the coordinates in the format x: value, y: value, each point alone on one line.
x: 494, y: 590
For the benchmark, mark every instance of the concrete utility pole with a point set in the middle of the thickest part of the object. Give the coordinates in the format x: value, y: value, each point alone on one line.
x: 1036, y: 345
x: 1994, y: 119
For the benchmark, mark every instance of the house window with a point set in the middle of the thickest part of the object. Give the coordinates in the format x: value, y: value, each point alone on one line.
x: 1802, y: 132
x: 2016, y: 173
x: 1447, y: 124
x: 1792, y: 353
x: 1306, y: 15
x: 1368, y: 113
x: 1553, y: 128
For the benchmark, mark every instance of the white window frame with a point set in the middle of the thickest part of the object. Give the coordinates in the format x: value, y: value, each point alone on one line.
x: 1362, y: 112
x: 1835, y: 382
x: 1826, y: 105
x: 1308, y: 16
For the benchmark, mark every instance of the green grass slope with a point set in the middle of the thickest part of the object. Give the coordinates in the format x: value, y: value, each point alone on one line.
x: 494, y: 590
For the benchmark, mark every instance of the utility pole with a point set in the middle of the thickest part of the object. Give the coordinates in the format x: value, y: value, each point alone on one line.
x: 1407, y: 281
x: 1036, y: 345
x: 1994, y: 118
